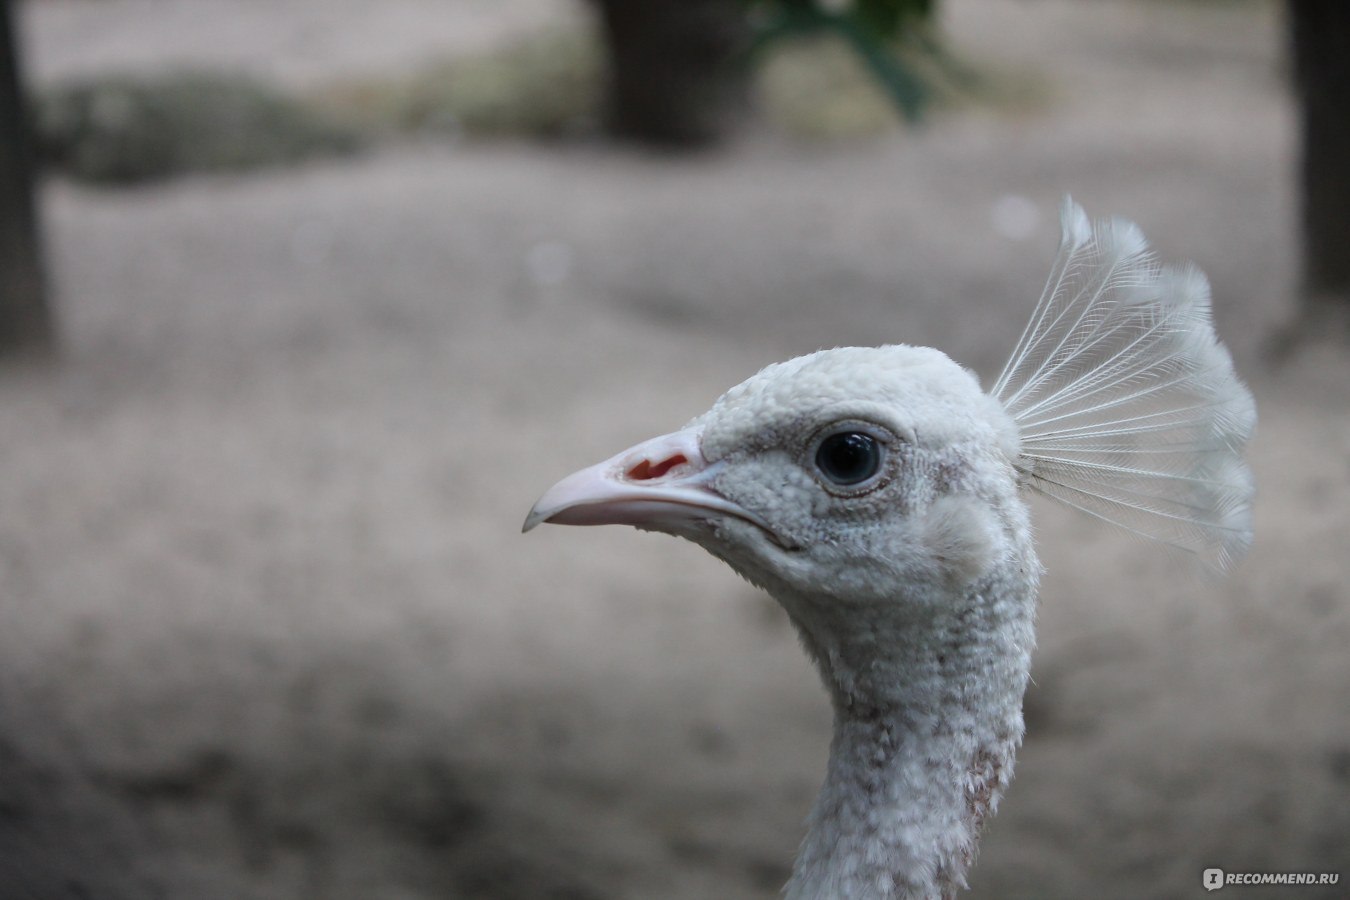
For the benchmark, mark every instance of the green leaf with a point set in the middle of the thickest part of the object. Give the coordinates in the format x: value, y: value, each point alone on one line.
x: 905, y: 87
x: 872, y: 28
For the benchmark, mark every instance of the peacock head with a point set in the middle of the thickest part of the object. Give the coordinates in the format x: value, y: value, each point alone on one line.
x: 837, y: 475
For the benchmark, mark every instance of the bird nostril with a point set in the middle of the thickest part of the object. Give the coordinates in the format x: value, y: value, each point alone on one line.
x: 647, y: 470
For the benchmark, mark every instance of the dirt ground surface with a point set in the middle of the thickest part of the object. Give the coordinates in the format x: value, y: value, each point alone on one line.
x: 268, y: 628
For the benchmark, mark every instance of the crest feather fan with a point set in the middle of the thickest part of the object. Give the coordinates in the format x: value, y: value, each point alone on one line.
x: 1127, y: 405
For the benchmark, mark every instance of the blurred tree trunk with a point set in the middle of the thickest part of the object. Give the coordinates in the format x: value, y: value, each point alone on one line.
x: 1321, y: 48
x: 673, y: 74
x: 25, y: 323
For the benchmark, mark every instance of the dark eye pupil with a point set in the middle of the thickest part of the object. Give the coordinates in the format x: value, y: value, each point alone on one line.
x: 848, y: 457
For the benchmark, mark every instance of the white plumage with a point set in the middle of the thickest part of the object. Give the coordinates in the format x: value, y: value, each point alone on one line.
x: 1127, y: 403
x: 875, y: 493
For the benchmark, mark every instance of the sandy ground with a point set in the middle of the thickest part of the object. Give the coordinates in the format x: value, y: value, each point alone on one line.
x: 300, y: 43
x: 267, y: 625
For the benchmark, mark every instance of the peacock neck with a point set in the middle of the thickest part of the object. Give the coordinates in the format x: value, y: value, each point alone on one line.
x: 927, y: 718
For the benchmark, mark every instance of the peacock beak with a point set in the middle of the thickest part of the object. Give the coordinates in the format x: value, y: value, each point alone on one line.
x: 658, y: 484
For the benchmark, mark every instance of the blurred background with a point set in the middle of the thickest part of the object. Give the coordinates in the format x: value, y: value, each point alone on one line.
x: 304, y: 302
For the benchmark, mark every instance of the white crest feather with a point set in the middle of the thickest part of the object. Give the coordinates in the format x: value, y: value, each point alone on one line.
x: 1127, y: 404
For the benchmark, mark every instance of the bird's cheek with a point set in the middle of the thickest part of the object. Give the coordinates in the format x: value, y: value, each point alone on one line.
x: 775, y: 490
x: 961, y: 536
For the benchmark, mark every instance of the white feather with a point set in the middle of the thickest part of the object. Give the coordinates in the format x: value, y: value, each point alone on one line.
x: 1127, y: 404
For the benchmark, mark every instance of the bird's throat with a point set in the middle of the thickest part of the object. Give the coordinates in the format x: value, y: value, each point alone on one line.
x: 928, y: 716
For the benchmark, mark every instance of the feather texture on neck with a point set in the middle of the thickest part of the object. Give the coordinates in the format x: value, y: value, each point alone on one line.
x: 927, y: 718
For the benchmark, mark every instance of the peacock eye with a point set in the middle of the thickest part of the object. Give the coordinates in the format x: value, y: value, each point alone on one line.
x: 848, y: 458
